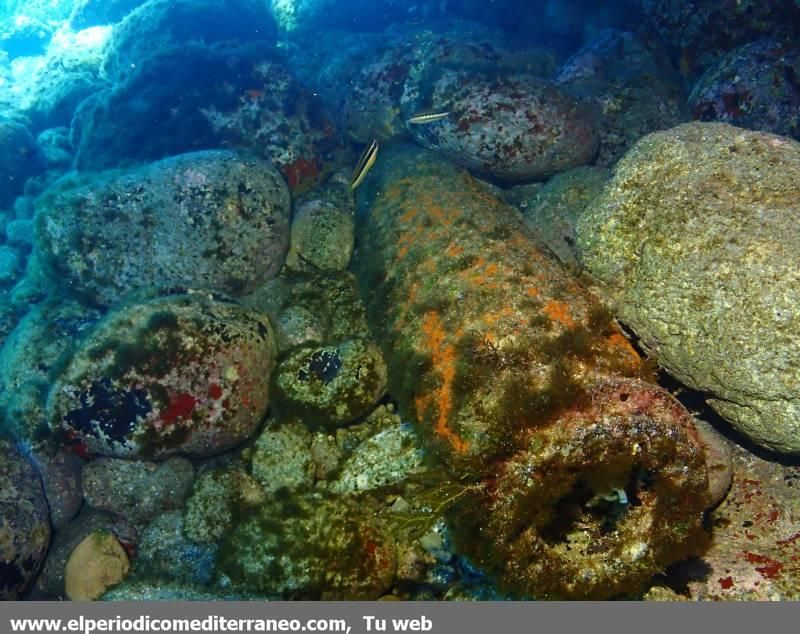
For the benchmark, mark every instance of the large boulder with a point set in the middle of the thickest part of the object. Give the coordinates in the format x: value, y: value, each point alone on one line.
x: 48, y: 88
x: 30, y: 356
x: 196, y: 96
x: 513, y: 127
x: 631, y: 83
x: 700, y: 30
x: 25, y: 522
x: 213, y: 219
x: 183, y: 373
x: 161, y: 24
x: 376, y: 82
x: 754, y: 87
x: 696, y: 238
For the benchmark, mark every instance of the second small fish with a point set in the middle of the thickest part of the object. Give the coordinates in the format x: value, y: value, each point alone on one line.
x: 428, y: 117
x: 367, y: 160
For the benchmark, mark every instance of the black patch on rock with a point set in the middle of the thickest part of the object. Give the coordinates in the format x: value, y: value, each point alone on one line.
x: 115, y: 412
x: 11, y: 579
x: 323, y: 364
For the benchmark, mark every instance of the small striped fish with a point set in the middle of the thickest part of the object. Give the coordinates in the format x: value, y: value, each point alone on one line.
x: 428, y: 117
x: 366, y: 162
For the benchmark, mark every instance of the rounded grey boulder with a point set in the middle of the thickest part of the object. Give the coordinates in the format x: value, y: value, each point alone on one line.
x: 214, y: 220
x: 696, y: 238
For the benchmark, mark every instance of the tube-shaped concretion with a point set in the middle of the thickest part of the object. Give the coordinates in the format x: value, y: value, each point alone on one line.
x: 581, y: 479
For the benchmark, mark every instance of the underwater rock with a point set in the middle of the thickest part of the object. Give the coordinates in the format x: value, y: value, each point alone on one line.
x: 386, y: 458
x: 183, y: 373
x: 398, y: 81
x: 10, y: 265
x: 332, y: 298
x: 512, y: 127
x: 98, y: 563
x: 322, y: 238
x: 19, y: 233
x: 48, y: 88
x: 61, y: 477
x: 214, y: 220
x: 297, y: 325
x: 50, y: 582
x: 33, y: 353
x: 33, y: 288
x: 216, y: 500
x: 718, y: 459
x: 753, y: 553
x: 88, y: 13
x: 631, y: 86
x: 277, y: 118
x: 755, y: 86
x: 552, y: 212
x: 137, y: 490
x: 695, y: 236
x: 164, y: 94
x: 330, y: 385
x: 20, y: 159
x: 8, y: 321
x: 281, y: 458
x: 520, y: 382
x: 314, y: 15
x: 165, y: 552
x: 172, y: 24
x: 700, y: 30
x: 327, y: 456
x: 310, y: 546
x: 340, y: 298
x: 25, y: 523
x: 168, y: 590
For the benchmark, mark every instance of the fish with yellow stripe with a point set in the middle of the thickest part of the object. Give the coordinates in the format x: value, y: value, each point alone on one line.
x: 429, y: 116
x: 365, y: 163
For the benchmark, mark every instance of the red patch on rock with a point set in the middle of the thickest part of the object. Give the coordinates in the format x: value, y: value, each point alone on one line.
x: 726, y: 583
x: 181, y: 406
x: 215, y: 391
x: 771, y: 568
x: 301, y: 173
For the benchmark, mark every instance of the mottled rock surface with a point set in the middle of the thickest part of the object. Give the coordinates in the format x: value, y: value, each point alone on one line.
x: 321, y: 239
x: 330, y: 385
x: 552, y: 212
x: 513, y: 127
x: 310, y: 546
x: 214, y: 220
x: 35, y: 349
x: 754, y: 86
x: 695, y: 236
x: 182, y: 373
x: 139, y: 491
x: 25, y: 525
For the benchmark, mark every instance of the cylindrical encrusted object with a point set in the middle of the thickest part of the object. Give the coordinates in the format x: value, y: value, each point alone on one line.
x: 581, y: 480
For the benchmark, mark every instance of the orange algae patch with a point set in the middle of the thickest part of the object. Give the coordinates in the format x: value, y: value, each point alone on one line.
x: 617, y: 340
x: 409, y: 215
x: 453, y: 250
x: 559, y: 312
x: 443, y: 356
